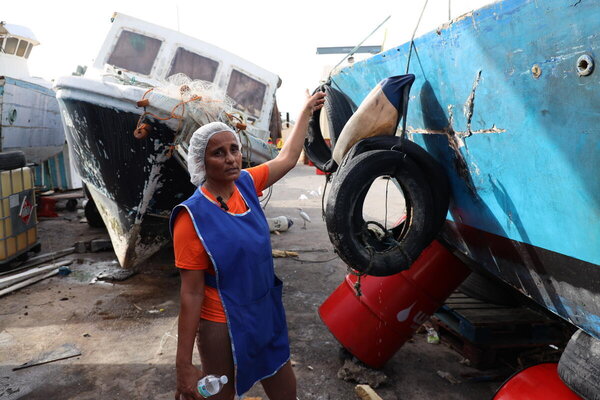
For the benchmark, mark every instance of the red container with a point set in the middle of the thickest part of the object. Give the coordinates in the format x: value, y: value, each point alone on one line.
x: 375, y: 325
x: 535, y: 383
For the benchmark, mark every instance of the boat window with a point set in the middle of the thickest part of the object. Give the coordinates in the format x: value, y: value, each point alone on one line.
x: 29, y: 47
x: 10, y: 45
x: 135, y: 52
x: 194, y: 65
x: 248, y: 93
x: 22, y: 47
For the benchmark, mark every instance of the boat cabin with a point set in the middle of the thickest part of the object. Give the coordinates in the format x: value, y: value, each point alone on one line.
x: 16, y: 43
x: 151, y: 54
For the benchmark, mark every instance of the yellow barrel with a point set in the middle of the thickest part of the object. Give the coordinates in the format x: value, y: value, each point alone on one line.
x: 18, y: 221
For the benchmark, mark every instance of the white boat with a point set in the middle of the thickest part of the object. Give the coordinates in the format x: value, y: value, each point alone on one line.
x: 29, y: 116
x: 135, y: 182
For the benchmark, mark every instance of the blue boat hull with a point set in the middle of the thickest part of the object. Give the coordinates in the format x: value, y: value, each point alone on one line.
x: 498, y: 100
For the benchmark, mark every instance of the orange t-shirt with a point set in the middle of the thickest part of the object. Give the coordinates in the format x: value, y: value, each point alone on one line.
x: 190, y: 253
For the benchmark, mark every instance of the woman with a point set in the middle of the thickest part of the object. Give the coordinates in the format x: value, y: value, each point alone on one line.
x: 230, y: 296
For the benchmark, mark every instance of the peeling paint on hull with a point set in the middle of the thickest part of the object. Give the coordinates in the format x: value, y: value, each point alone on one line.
x: 522, y: 157
x: 134, y: 183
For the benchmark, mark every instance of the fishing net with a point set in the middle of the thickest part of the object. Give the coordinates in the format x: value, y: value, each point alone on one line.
x: 185, y: 105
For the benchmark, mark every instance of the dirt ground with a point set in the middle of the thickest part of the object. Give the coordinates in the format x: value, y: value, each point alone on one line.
x: 126, y: 331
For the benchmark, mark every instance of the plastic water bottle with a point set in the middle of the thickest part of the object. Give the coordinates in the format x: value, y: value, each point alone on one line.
x: 279, y: 224
x: 211, y: 385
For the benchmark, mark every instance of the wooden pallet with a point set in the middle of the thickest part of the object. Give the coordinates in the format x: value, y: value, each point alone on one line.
x: 482, y: 331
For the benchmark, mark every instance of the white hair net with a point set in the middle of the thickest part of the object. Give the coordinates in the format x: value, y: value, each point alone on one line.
x: 197, y: 149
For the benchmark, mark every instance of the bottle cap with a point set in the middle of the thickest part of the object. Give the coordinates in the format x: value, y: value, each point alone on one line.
x: 224, y: 379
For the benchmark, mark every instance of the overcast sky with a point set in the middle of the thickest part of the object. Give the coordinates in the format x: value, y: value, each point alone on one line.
x: 281, y: 36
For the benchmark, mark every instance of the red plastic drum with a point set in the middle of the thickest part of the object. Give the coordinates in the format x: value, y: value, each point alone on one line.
x: 535, y: 383
x: 375, y: 325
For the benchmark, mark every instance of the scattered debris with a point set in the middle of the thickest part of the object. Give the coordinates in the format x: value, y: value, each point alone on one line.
x: 42, y: 258
x: 86, y: 335
x: 366, y: 392
x: 283, y: 253
x: 38, y: 276
x: 279, y: 224
x: 93, y: 246
x: 97, y: 245
x: 65, y: 351
x: 432, y: 335
x: 115, y: 274
x: 465, y: 361
x: 449, y: 377
x: 81, y: 247
x: 64, y: 270
x: 310, y: 367
x: 21, y: 276
x: 353, y: 371
x: 487, y: 376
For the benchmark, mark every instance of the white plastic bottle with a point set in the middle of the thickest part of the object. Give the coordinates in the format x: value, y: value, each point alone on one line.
x: 211, y: 385
x: 279, y: 224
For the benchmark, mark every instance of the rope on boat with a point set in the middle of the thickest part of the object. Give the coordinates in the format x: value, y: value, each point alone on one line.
x: 412, y: 39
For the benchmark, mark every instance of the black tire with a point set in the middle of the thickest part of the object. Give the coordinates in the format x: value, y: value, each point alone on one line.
x: 71, y: 205
x: 94, y: 219
x: 339, y: 109
x: 12, y: 160
x: 488, y: 289
x: 345, y: 222
x: 438, y: 181
x: 579, y: 365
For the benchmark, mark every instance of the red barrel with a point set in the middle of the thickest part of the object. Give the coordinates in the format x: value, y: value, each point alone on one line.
x: 534, y: 383
x: 375, y: 325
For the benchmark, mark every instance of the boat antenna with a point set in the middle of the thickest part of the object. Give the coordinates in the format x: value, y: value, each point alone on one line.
x: 412, y: 39
x: 357, y: 46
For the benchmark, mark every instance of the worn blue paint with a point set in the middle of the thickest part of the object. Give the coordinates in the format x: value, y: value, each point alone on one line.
x: 28, y: 85
x: 532, y: 171
x: 52, y: 174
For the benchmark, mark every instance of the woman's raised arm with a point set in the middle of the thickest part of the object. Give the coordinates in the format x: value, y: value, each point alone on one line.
x: 289, y: 154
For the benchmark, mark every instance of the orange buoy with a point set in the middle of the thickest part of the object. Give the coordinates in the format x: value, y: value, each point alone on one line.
x: 141, y: 131
x: 143, y: 103
x: 241, y: 126
x: 537, y: 382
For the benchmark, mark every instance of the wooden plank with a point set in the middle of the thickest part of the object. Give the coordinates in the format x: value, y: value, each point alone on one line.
x: 461, y: 300
x: 366, y: 392
x: 18, y: 277
x: 28, y: 282
x: 495, y: 317
x: 477, y: 307
x: 42, y: 258
x: 67, y: 350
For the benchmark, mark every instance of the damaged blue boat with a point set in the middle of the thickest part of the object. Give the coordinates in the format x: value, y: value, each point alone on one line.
x: 505, y: 98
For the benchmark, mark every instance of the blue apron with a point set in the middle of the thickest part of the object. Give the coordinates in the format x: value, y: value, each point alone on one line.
x: 239, y: 246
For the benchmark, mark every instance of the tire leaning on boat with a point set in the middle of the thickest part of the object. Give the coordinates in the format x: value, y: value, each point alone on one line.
x: 434, y: 172
x: 339, y: 108
x: 12, y: 160
x: 424, y: 186
x: 579, y: 365
x: 364, y: 246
